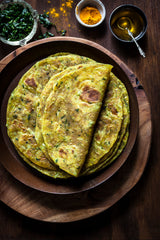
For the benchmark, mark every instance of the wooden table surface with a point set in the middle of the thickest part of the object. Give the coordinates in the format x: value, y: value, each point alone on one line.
x: 136, y: 216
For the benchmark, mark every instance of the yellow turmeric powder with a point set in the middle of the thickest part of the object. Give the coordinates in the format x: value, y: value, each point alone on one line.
x: 90, y: 15
x: 64, y: 8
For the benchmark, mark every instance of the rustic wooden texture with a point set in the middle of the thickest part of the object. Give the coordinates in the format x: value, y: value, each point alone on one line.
x: 135, y: 216
x: 68, y: 208
x: 43, y: 200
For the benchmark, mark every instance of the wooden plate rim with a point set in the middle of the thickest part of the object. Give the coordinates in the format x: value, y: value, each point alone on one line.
x: 7, y: 60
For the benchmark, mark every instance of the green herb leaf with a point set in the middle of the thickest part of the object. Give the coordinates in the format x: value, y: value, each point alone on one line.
x: 44, y: 20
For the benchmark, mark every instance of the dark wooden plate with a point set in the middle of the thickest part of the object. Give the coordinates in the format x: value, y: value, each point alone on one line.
x: 13, y: 67
x: 68, y: 208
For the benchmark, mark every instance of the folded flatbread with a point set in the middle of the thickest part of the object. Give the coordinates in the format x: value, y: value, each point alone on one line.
x: 112, y: 131
x: 70, y: 114
x: 22, y: 106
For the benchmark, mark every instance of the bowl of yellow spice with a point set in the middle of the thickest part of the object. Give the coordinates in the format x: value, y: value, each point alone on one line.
x: 90, y: 13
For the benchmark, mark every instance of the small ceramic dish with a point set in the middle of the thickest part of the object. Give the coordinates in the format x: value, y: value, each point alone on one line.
x: 127, y: 17
x: 92, y: 3
x: 35, y: 17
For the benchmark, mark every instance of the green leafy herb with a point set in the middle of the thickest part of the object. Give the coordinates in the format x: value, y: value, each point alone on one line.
x: 46, y: 35
x: 16, y: 22
x: 63, y: 32
x: 44, y: 20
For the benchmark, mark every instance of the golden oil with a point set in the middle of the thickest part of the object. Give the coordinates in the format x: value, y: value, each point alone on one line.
x: 127, y: 19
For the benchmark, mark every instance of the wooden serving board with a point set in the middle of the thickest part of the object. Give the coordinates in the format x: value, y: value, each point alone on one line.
x: 67, y: 208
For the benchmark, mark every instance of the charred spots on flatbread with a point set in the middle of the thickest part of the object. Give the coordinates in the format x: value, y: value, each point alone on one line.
x: 90, y: 95
x: 31, y: 82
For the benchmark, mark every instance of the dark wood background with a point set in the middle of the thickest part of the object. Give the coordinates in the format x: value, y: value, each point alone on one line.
x: 137, y: 215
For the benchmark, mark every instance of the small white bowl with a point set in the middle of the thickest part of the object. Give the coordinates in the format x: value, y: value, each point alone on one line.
x: 94, y: 3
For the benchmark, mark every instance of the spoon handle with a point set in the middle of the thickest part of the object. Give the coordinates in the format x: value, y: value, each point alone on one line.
x: 139, y: 48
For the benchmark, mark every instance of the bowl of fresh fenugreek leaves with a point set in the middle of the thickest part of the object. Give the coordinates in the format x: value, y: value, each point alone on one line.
x: 18, y: 22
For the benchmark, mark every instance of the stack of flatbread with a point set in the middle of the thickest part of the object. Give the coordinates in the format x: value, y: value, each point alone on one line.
x: 69, y: 116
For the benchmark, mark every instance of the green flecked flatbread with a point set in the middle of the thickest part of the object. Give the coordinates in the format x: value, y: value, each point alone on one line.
x: 94, y: 164
x: 70, y: 113
x: 22, y: 105
x: 68, y: 116
x: 42, y: 102
x: 53, y: 173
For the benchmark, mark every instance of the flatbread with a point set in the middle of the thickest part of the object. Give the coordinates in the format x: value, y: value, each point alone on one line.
x: 95, y: 160
x: 70, y: 114
x: 22, y: 105
x: 42, y: 102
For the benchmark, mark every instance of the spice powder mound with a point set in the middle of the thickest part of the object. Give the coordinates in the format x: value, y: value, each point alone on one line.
x: 90, y: 15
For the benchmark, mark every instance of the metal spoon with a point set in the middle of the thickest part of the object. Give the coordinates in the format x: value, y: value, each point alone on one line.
x: 139, y: 48
x: 125, y: 26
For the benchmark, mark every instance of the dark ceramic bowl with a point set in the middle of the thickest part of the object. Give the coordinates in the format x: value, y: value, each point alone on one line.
x: 132, y: 15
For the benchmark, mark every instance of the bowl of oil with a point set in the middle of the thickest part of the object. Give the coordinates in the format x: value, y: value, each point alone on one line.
x: 128, y: 17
